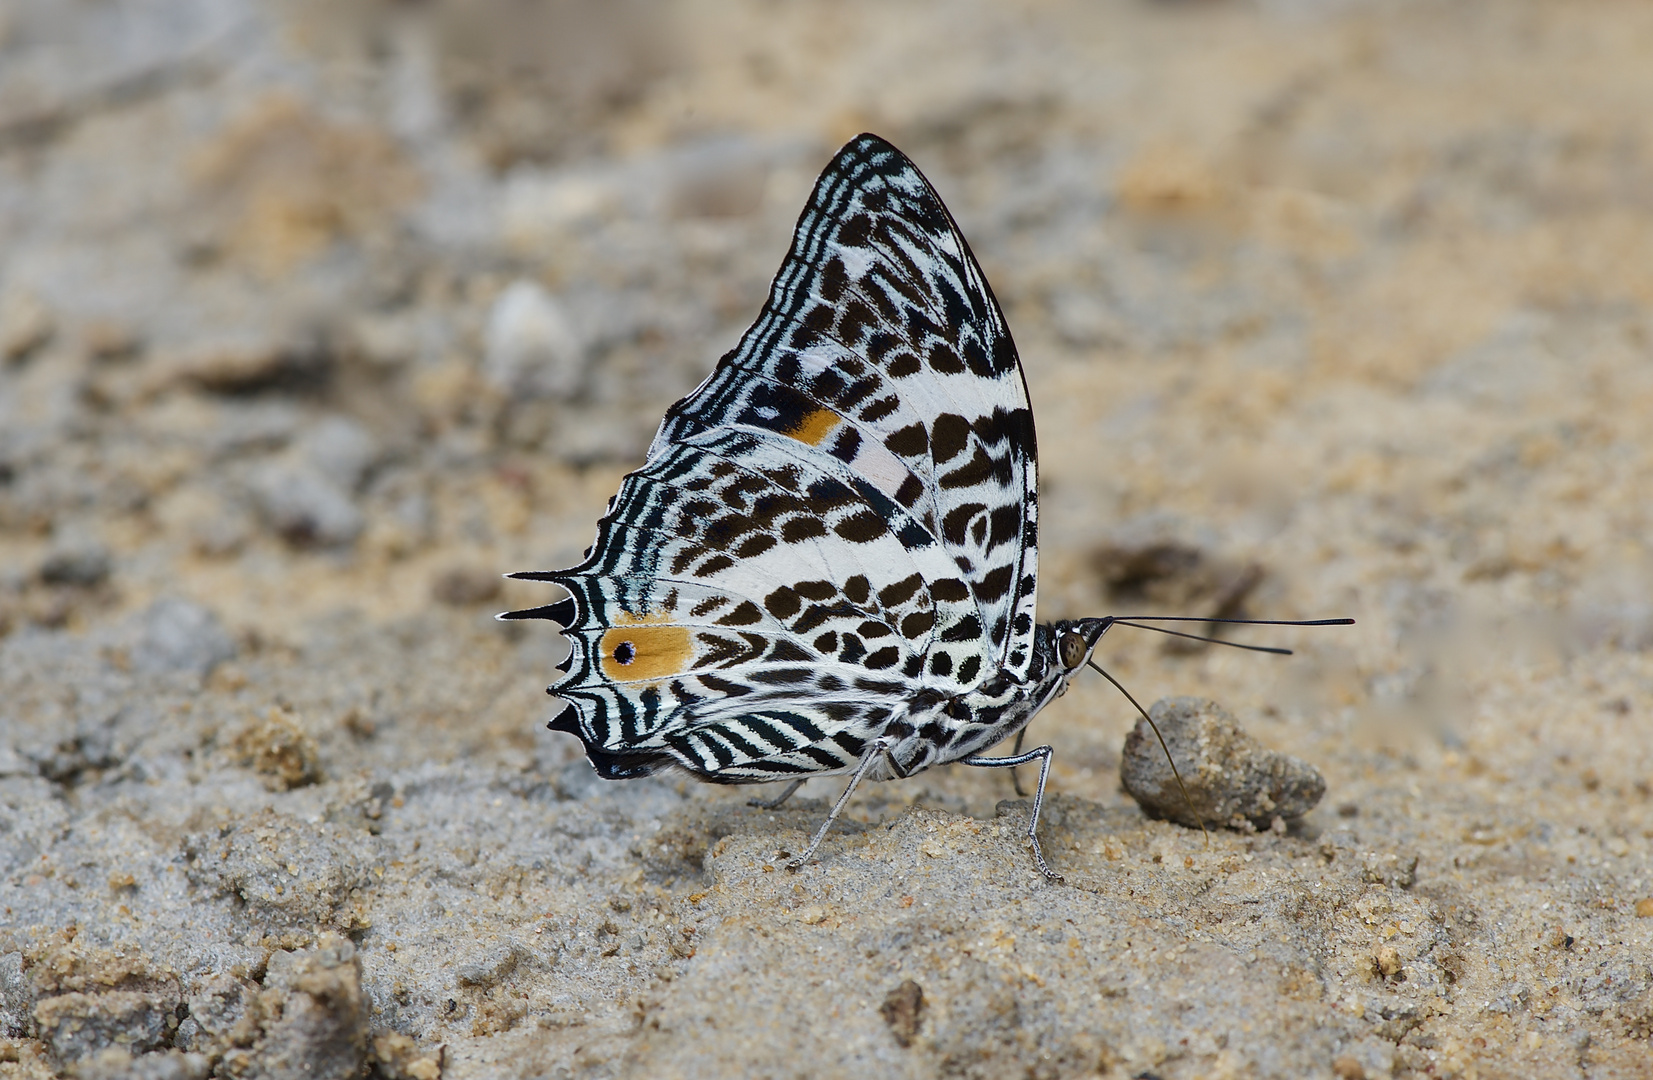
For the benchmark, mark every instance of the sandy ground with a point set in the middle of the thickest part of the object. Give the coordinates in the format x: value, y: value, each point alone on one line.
x: 314, y: 318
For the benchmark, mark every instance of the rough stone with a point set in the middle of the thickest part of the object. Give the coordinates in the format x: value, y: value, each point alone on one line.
x: 221, y: 1016
x: 288, y: 873
x: 78, y: 1026
x: 1231, y: 778
x: 315, y: 1018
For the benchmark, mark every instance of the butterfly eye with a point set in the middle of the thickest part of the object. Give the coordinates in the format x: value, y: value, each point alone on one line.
x: 1073, y: 650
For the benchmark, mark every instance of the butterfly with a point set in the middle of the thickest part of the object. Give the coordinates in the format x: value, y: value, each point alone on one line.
x: 828, y: 561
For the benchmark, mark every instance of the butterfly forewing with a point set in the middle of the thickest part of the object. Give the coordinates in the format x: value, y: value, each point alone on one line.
x: 881, y: 316
x: 839, y: 520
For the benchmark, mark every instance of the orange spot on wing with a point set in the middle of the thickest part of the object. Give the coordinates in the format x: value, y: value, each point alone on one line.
x: 641, y: 650
x: 815, y: 426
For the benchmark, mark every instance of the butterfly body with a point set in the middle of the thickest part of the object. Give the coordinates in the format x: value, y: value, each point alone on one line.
x: 828, y: 561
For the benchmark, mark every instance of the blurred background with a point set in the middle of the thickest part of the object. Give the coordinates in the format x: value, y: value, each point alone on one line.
x: 315, y: 309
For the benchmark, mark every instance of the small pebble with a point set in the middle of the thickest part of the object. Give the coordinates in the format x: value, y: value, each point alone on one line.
x: 304, y: 506
x: 78, y: 561
x: 1232, y: 779
x: 531, y: 349
x: 903, y: 1010
x: 26, y: 323
x: 178, y: 635
x: 339, y: 449
x: 279, y: 749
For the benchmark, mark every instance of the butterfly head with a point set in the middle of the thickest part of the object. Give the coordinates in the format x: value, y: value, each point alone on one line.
x: 1073, y: 640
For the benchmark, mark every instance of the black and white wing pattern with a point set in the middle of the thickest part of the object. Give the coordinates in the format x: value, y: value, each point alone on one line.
x: 838, y: 524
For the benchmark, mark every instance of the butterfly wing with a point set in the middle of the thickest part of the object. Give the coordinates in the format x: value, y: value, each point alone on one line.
x: 840, y: 519
x: 882, y: 343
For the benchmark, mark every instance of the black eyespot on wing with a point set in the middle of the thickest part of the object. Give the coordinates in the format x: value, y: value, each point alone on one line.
x: 879, y: 408
x: 783, y: 603
x: 957, y: 522
x: 816, y: 590
x: 753, y: 546
x: 883, y: 658
x: 945, y: 360
x: 788, y: 650
x: 798, y: 529
x: 995, y: 585
x: 744, y: 615
x: 1007, y: 524
x: 909, y: 441
x: 948, y: 437
x: 978, y: 470
x: 714, y: 565
x: 899, y: 593
x: 903, y: 364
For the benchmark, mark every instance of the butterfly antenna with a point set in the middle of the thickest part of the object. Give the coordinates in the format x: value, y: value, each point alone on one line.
x: 1207, y: 640
x: 1238, y: 622
x: 1169, y: 759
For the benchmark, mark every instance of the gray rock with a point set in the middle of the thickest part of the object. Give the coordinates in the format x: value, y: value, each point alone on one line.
x: 304, y: 506
x: 323, y: 1022
x: 77, y: 1026
x: 531, y: 348
x: 1231, y: 778
x: 288, y: 873
x: 177, y: 635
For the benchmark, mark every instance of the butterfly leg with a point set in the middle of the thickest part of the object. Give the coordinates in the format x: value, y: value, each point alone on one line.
x: 774, y: 804
x: 1042, y: 753
x: 1016, y: 777
x: 874, y: 752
